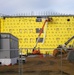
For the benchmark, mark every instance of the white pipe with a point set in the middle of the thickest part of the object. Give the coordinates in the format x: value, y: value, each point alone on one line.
x: 45, y: 32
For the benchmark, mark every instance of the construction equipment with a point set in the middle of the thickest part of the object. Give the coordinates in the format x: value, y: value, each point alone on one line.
x: 62, y: 48
x: 36, y: 51
x: 46, y: 21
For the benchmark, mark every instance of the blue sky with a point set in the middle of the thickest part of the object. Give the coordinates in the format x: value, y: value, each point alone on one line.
x: 11, y: 7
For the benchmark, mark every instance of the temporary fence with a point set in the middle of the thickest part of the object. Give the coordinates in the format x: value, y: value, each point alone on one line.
x: 24, y: 62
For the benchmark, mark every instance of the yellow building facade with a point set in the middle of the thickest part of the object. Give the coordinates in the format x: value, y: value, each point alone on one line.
x: 27, y: 28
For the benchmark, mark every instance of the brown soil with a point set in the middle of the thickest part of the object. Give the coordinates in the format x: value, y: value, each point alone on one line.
x: 40, y: 66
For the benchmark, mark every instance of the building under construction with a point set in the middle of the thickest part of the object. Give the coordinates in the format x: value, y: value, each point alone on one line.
x: 29, y: 28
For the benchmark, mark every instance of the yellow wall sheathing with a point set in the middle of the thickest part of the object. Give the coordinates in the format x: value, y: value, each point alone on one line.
x: 24, y: 28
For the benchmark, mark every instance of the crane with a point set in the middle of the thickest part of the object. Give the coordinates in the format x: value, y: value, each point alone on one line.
x: 46, y: 21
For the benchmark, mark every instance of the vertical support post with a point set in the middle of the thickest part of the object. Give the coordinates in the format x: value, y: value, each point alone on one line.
x: 20, y: 64
x: 61, y: 60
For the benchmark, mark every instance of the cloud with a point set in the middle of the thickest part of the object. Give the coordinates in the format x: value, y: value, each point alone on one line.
x: 22, y: 6
x: 63, y: 6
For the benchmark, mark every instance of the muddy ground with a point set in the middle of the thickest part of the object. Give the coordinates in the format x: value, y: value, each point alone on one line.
x: 39, y: 65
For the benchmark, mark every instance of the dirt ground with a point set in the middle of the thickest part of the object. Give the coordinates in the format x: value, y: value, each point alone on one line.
x: 39, y: 65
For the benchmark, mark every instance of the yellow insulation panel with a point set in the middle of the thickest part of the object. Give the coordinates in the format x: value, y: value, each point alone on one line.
x: 56, y: 33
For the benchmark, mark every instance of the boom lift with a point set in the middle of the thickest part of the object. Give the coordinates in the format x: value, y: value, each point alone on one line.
x: 34, y: 49
x: 62, y: 48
